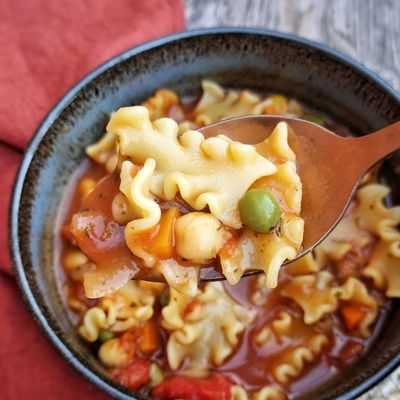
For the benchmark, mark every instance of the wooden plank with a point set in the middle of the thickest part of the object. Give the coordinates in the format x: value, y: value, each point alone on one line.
x: 367, y: 30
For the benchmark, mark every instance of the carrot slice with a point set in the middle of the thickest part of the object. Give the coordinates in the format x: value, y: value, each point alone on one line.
x: 163, y: 243
x: 149, y: 341
x: 352, y: 314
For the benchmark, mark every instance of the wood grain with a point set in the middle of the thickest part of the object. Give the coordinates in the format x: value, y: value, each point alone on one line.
x: 366, y: 30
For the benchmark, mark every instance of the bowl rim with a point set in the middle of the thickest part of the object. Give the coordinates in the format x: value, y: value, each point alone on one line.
x: 66, y: 99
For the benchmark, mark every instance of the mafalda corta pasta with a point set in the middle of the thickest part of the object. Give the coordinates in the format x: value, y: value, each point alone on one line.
x: 211, y: 176
x: 206, y: 335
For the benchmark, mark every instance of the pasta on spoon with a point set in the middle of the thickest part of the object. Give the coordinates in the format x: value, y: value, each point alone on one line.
x: 184, y: 202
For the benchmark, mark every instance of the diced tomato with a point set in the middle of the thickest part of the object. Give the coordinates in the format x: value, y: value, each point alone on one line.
x: 134, y: 375
x: 351, y: 263
x: 216, y: 387
x: 97, y: 236
x: 229, y: 245
x: 350, y: 352
x: 128, y: 342
x: 96, y: 233
x: 352, y: 315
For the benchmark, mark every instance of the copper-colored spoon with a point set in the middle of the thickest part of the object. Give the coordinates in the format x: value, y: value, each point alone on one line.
x: 330, y: 167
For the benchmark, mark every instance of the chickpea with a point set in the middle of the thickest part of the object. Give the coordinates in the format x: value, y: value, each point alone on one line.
x: 199, y: 236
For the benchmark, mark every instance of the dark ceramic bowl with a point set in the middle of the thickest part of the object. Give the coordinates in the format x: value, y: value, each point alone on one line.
x: 245, y: 58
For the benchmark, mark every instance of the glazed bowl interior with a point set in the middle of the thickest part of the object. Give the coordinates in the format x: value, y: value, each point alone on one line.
x: 258, y: 60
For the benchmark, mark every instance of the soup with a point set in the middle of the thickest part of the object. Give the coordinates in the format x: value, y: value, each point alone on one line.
x: 222, y: 341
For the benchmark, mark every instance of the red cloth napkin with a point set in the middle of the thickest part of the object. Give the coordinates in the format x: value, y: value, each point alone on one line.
x: 45, y: 47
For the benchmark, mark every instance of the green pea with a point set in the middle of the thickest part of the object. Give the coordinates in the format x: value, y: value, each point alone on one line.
x: 259, y: 210
x: 105, y: 335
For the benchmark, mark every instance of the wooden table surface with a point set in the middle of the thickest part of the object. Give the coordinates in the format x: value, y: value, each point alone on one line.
x: 367, y: 30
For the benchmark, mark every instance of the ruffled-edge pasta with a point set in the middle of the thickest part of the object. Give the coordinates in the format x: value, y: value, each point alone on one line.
x: 204, y: 330
x: 345, y: 236
x: 119, y: 311
x: 214, y: 172
x: 76, y: 264
x: 317, y: 296
x: 355, y: 292
x: 238, y: 393
x: 181, y: 278
x: 314, y: 294
x: 279, y: 326
x: 269, y: 251
x: 160, y: 103
x: 113, y: 354
x: 269, y: 393
x: 293, y: 361
x: 217, y: 104
x: 384, y: 264
x: 105, y: 150
x: 266, y: 393
x: 372, y: 214
x: 370, y: 217
x: 304, y: 265
x: 384, y: 267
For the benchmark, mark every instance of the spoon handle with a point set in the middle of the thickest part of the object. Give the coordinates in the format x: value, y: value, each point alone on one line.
x: 375, y: 146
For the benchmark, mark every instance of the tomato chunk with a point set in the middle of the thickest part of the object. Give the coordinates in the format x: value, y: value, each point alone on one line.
x: 216, y: 387
x: 128, y: 342
x: 134, y: 375
x: 350, y: 352
x: 351, y: 263
x: 229, y: 247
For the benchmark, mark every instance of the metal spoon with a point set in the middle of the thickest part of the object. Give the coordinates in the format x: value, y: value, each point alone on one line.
x: 330, y: 167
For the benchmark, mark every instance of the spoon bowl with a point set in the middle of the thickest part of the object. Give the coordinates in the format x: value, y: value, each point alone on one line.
x: 330, y: 168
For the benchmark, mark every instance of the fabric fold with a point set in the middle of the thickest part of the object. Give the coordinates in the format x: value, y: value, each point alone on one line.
x: 46, y: 47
